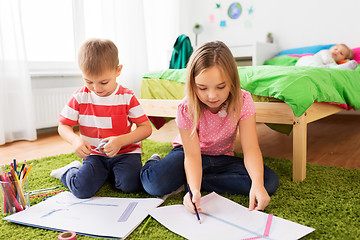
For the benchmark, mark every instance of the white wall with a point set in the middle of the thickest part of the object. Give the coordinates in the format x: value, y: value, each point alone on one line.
x: 293, y: 23
x: 162, y: 24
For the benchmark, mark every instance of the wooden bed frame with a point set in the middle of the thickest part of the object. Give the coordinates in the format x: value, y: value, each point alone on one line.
x: 266, y: 112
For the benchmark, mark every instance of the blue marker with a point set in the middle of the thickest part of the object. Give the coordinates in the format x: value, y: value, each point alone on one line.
x: 101, y: 145
x: 191, y: 196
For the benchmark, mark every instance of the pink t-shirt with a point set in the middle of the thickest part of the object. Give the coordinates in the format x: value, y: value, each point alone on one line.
x: 216, y: 131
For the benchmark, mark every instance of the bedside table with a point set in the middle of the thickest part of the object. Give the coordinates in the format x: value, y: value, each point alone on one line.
x: 253, y: 54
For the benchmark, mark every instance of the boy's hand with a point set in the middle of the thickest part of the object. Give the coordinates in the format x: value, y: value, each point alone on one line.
x: 113, y: 146
x: 81, y: 147
x: 188, y: 203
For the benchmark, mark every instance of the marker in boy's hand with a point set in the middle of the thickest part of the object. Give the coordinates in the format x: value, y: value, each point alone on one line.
x: 111, y: 146
x: 100, y: 148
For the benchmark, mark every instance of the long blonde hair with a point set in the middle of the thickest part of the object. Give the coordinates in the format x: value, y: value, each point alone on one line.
x: 208, y: 55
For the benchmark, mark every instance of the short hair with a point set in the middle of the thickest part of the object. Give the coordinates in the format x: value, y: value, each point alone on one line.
x: 206, y: 56
x: 98, y: 55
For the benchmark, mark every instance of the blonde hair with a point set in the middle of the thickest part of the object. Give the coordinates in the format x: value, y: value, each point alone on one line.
x: 350, y: 51
x: 98, y: 55
x: 208, y: 55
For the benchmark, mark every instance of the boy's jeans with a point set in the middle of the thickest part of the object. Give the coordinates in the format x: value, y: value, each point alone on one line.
x: 122, y: 169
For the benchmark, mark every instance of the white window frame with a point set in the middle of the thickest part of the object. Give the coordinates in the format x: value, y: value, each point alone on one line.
x: 45, y: 68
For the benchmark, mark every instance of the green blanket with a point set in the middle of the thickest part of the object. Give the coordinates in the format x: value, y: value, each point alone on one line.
x: 283, y: 60
x: 299, y: 87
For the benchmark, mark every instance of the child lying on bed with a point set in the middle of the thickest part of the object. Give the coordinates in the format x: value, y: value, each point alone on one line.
x: 330, y: 58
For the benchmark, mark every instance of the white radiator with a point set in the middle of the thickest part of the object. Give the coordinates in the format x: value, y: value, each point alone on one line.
x: 48, y: 104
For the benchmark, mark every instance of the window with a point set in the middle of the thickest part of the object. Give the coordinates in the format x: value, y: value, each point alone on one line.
x: 49, y: 34
x: 55, y: 29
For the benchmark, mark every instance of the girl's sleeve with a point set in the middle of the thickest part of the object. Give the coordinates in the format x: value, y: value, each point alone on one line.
x: 183, y: 119
x: 248, y: 108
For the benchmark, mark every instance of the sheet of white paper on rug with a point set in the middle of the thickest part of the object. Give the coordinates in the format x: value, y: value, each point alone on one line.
x: 96, y: 216
x: 222, y: 218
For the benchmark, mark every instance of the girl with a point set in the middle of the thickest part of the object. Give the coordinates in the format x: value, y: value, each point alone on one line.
x: 209, y: 117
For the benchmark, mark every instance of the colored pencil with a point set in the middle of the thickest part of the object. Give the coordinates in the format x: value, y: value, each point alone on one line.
x: 5, y: 209
x: 14, y: 161
x: 43, y: 190
x: 143, y: 228
x: 45, y: 194
x: 9, y: 181
x: 18, y: 187
x: 21, y: 173
x: 11, y: 197
x: 27, y: 173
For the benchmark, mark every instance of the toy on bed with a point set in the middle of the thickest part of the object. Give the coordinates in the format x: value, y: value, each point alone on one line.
x: 291, y: 56
x: 338, y: 56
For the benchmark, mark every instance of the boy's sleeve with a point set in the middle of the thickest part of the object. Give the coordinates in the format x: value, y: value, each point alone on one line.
x: 70, y: 113
x: 136, y: 112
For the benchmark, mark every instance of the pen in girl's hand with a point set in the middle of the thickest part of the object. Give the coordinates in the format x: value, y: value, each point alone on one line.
x: 191, y: 196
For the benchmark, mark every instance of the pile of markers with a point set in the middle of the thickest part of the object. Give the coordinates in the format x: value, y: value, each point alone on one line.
x: 12, y: 183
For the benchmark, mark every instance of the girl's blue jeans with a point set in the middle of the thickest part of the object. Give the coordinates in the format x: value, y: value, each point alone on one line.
x: 123, y: 170
x: 222, y: 174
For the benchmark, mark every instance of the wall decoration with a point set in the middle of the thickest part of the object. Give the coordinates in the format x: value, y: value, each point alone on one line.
x: 212, y: 18
x: 234, y: 10
x: 251, y: 10
x: 222, y: 23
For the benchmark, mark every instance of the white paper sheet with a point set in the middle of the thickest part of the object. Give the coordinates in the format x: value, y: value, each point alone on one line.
x: 222, y: 218
x: 97, y: 216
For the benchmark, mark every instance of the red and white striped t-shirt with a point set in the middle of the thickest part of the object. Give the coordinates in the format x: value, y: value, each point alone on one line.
x: 102, y: 117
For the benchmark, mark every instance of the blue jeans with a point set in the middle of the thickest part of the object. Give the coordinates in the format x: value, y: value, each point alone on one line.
x: 222, y: 174
x: 123, y: 170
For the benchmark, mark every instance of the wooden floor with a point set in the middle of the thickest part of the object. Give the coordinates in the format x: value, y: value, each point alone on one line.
x: 332, y: 141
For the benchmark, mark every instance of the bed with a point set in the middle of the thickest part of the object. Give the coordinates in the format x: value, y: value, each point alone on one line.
x: 283, y: 94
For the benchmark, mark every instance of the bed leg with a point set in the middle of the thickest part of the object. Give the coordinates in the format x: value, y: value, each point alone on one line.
x: 299, y: 148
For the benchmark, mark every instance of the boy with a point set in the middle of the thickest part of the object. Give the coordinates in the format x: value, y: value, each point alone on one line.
x: 105, y: 112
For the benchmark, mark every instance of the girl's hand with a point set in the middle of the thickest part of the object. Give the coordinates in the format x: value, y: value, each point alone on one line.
x: 188, y: 203
x: 81, y: 147
x: 113, y: 146
x: 258, y: 198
